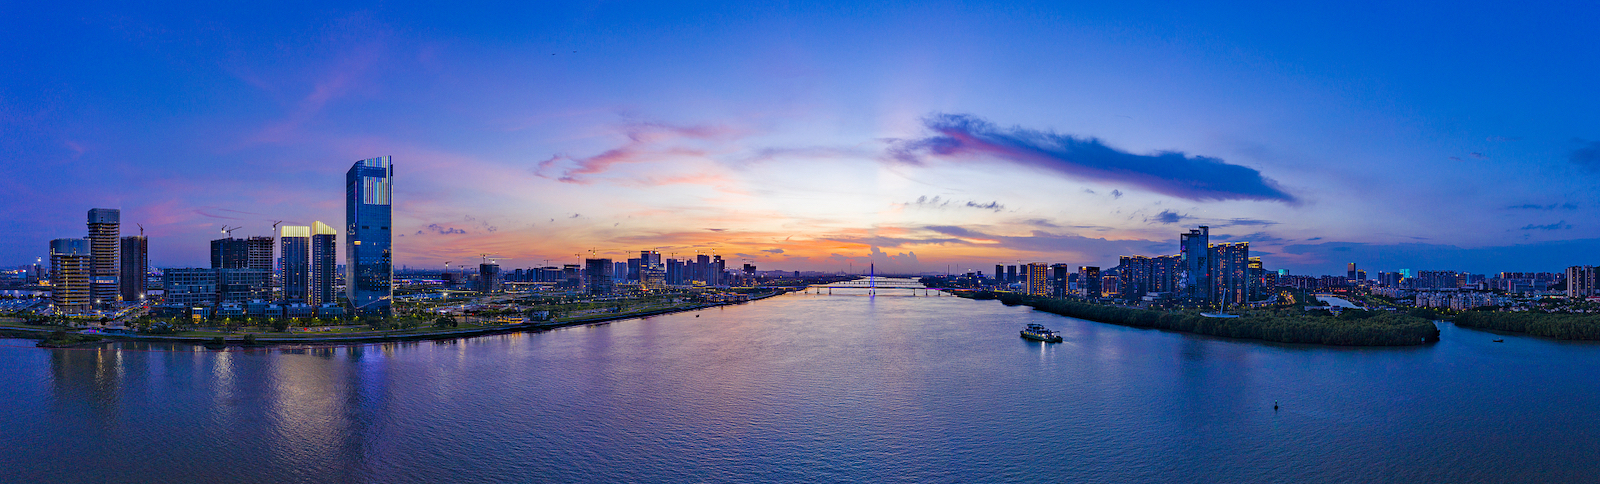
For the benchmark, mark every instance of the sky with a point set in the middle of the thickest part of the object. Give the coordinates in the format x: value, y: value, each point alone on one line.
x: 918, y: 136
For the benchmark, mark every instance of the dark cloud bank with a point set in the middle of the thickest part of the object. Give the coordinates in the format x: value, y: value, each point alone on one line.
x: 1173, y: 173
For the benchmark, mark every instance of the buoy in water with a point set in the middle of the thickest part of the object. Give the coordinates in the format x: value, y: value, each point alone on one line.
x: 1274, y: 406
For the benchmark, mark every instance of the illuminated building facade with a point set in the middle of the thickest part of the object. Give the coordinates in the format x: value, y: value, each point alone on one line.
x: 369, y: 267
x: 105, y: 225
x: 1194, y: 281
x: 1038, y: 274
x: 1581, y: 281
x: 71, y: 266
x: 296, y: 240
x: 1089, y: 282
x: 1231, y: 270
x: 324, y: 262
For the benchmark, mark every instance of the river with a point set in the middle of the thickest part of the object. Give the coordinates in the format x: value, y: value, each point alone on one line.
x: 809, y: 388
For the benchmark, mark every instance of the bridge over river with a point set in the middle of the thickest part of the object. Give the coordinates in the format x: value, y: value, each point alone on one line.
x: 875, y: 286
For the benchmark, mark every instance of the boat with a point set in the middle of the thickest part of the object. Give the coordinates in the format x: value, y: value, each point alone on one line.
x: 1500, y: 340
x: 1038, y: 332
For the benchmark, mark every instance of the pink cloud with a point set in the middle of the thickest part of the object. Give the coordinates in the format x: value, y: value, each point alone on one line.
x: 646, y: 143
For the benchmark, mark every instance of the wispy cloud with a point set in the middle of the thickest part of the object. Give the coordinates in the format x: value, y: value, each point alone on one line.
x: 1246, y: 221
x: 645, y: 142
x: 1555, y: 226
x: 1168, y: 172
x: 1553, y: 206
x: 443, y: 230
x: 940, y: 202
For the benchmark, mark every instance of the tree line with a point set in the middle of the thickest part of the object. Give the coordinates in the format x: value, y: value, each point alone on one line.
x: 1352, y: 328
x: 1553, y: 325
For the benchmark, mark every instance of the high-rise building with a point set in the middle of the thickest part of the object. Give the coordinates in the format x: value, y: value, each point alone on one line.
x: 1089, y: 282
x: 369, y: 260
x: 1038, y: 275
x: 1231, y: 272
x: 135, y: 264
x: 230, y: 253
x: 1258, y: 279
x: 324, y: 262
x: 719, y: 268
x: 258, y: 253
x: 296, y: 240
x: 999, y: 274
x: 674, y: 272
x: 1011, y: 274
x: 598, y: 273
x: 1436, y: 280
x: 702, y: 269
x: 489, y: 277
x: 1165, y: 273
x: 1582, y: 282
x: 571, y: 276
x: 652, y: 272
x: 71, y: 268
x: 633, y: 269
x: 1194, y: 281
x: 1350, y: 272
x: 1058, y: 279
x: 1110, y: 285
x: 1134, y: 272
x: 105, y: 232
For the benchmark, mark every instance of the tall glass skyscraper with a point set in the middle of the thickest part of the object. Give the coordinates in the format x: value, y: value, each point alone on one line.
x: 296, y: 252
x: 323, y: 255
x: 1194, y: 282
x: 369, y: 268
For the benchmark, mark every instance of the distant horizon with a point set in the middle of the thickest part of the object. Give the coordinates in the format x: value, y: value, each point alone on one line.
x: 812, y: 136
x: 1424, y: 256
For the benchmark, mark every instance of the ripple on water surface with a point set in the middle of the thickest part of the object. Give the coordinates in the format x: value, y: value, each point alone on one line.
x: 809, y: 388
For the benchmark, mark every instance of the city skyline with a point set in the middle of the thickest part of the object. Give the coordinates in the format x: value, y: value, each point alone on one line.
x: 812, y: 139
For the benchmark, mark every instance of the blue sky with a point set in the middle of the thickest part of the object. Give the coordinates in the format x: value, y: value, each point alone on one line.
x: 821, y: 135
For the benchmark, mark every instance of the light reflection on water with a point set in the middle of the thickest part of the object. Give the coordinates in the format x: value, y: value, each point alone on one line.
x: 807, y: 388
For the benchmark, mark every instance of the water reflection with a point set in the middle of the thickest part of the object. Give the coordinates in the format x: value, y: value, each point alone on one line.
x: 87, y: 377
x: 804, y: 388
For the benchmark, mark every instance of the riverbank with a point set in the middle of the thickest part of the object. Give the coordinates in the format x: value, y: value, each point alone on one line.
x: 1361, y: 328
x: 420, y: 334
x: 1581, y: 327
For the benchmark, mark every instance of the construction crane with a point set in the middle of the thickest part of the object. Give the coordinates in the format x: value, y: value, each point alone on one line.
x: 229, y: 231
x: 275, y: 227
x: 493, y: 259
x: 141, y: 229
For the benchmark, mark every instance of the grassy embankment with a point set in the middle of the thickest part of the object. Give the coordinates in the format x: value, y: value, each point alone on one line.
x: 1353, y: 328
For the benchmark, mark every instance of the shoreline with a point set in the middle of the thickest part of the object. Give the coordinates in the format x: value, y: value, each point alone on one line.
x: 270, y: 341
x: 1296, y: 329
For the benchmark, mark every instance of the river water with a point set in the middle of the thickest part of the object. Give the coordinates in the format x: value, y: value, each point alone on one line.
x: 809, y: 388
